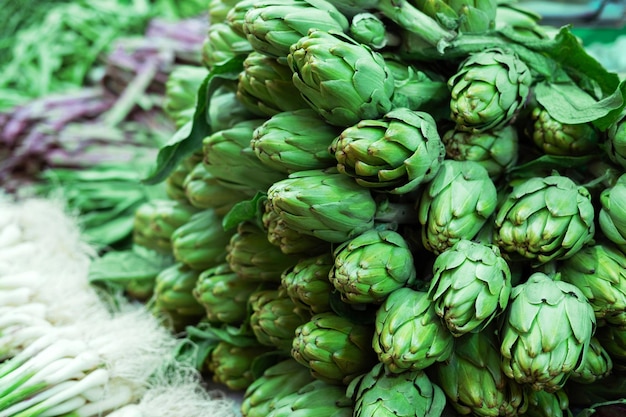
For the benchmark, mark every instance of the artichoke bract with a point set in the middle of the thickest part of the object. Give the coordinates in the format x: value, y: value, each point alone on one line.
x: 307, y: 282
x: 155, y: 220
x: 323, y: 203
x: 370, y: 266
x: 290, y: 241
x: 496, y: 150
x: 229, y: 157
x: 597, y: 364
x: 264, y: 86
x: 409, y: 336
x: 407, y: 394
x: 455, y: 204
x: 475, y: 16
x: 473, y: 381
x: 295, y: 141
x: 488, y: 90
x: 173, y: 296
x: 396, y: 153
x: 316, y: 398
x: 204, y: 191
x: 334, y: 348
x: 181, y: 87
x: 613, y: 211
x: 341, y: 79
x: 546, y: 332
x: 272, y: 26
x: 222, y: 44
x: 231, y: 365
x: 544, y: 219
x: 556, y: 138
x: 599, y: 271
x: 471, y: 285
x: 369, y: 29
x: 613, y: 340
x: 201, y: 242
x: 548, y: 404
x: 223, y: 294
x: 279, y: 380
x: 615, y: 144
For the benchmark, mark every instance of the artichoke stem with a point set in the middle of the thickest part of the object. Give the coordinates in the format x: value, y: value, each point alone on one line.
x: 395, y: 213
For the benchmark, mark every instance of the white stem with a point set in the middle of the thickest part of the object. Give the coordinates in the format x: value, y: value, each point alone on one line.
x: 20, y: 252
x: 65, y: 408
x: 16, y: 296
x: 35, y: 399
x: 116, y: 396
x: 17, y: 338
x: 27, y: 278
x: 10, y: 235
x: 130, y: 410
x: 24, y: 316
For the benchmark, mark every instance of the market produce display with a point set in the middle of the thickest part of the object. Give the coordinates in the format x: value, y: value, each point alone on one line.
x: 408, y: 208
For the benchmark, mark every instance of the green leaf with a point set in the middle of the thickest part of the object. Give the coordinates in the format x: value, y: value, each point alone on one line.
x: 244, y: 211
x: 544, y: 164
x: 127, y: 265
x: 189, y: 139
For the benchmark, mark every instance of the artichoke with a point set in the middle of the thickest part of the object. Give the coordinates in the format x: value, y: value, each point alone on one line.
x: 173, y: 296
x: 343, y: 80
x: 272, y: 26
x: 473, y: 381
x: 155, y: 221
x: 455, y: 204
x: 275, y: 316
x: 317, y: 398
x: 229, y: 157
x: 253, y: 257
x: 201, y: 242
x: 174, y: 188
x: 396, y: 153
x: 279, y: 380
x: 307, y: 282
x: 407, y: 394
x: 471, y: 285
x: 222, y: 44
x: 556, y: 138
x: 496, y: 150
x: 370, y: 266
x: 322, y: 203
x: 232, y: 365
x: 409, y: 336
x: 475, y: 16
x: 368, y: 29
x: 294, y: 141
x: 548, y: 404
x: 544, y: 219
x: 265, y: 88
x: 334, y: 348
x: 596, y: 365
x: 613, y: 211
x: 613, y: 340
x: 599, y: 271
x: 181, y: 88
x: 218, y: 10
x: 615, y: 144
x: 488, y: 90
x: 546, y: 332
x: 223, y: 294
x: 204, y: 191
x: 290, y: 241
x: 225, y: 97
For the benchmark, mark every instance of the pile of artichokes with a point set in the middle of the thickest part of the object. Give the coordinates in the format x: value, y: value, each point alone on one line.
x: 396, y: 208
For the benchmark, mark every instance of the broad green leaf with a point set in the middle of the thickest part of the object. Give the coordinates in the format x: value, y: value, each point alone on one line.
x: 244, y: 211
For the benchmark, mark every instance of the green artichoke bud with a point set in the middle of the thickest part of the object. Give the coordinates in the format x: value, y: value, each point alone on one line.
x: 204, y: 191
x: 218, y: 10
x: 173, y: 295
x: 475, y: 16
x: 222, y: 44
x: 488, y: 90
x: 317, y: 398
x: 407, y: 394
x: 294, y: 141
x: 174, y: 188
x: 599, y: 271
x: 471, y: 285
x: 409, y: 336
x: 265, y: 88
x: 277, y: 381
x: 615, y: 145
x: 544, y: 219
x: 323, y: 203
x: 235, y: 17
x: 370, y: 266
x: 343, y: 80
x: 307, y: 282
x: 512, y: 15
x: 201, y: 242
x: 596, y: 365
x: 613, y: 339
x: 334, y: 348
x: 225, y: 97
x: 418, y: 90
x: 370, y: 30
x: 223, y: 294
x: 456, y: 204
x: 546, y: 332
x: 397, y: 153
x: 473, y: 381
x: 548, y: 404
x: 156, y: 220
x: 613, y: 212
x: 290, y: 241
x: 231, y: 365
x: 229, y: 157
x: 181, y: 89
x: 556, y: 138
x: 275, y: 317
x: 272, y: 26
x: 253, y: 257
x: 496, y: 150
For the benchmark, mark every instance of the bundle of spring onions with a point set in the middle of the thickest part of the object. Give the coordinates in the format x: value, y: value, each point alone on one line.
x: 70, y: 350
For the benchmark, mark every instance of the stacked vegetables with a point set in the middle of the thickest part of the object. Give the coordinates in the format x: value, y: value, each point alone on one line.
x: 404, y: 206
